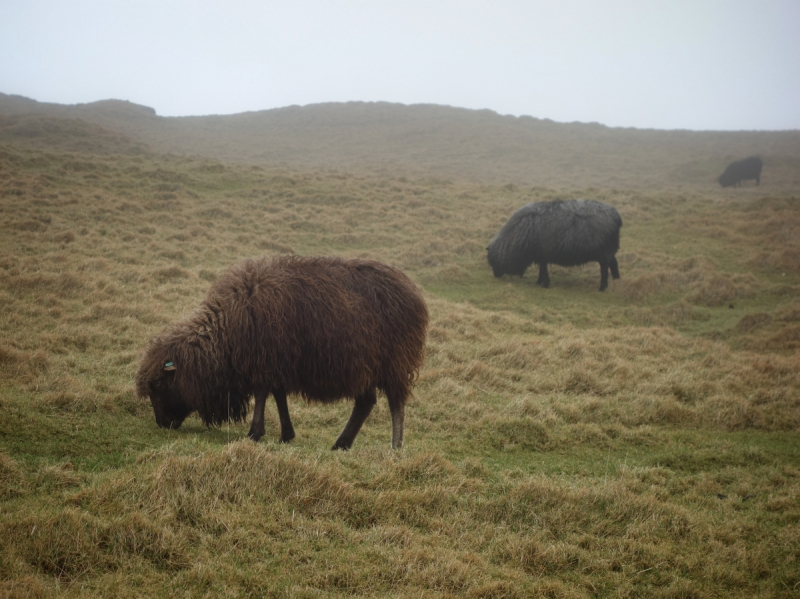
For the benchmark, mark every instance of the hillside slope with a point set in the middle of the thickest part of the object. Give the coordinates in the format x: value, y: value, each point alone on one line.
x: 443, y: 142
x: 560, y: 442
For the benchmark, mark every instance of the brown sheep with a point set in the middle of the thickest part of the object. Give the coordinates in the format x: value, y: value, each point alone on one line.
x: 324, y: 328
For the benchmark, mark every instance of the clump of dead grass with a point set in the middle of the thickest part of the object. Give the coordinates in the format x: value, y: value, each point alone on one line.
x: 12, y: 479
x: 22, y: 366
x: 75, y: 545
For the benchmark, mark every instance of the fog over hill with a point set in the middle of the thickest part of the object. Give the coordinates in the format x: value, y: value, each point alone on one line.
x: 417, y: 140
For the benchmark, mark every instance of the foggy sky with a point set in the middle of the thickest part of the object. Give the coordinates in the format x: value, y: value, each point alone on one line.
x: 671, y: 64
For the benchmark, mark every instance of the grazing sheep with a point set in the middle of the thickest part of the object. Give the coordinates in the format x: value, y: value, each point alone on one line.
x: 324, y: 328
x: 567, y: 233
x: 741, y: 170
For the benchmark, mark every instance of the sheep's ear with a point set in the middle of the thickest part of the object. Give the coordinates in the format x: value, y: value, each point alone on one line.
x: 170, y: 366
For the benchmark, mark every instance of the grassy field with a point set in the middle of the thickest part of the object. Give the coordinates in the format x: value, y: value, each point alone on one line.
x: 641, y: 442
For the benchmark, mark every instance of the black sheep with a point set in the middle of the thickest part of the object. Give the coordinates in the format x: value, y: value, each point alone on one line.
x: 567, y: 233
x: 741, y: 170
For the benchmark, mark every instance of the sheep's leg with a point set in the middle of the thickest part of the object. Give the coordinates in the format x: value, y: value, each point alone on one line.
x: 614, y: 267
x: 257, y: 425
x: 397, y: 406
x: 364, y: 405
x: 603, y: 274
x: 544, y: 277
x: 287, y: 430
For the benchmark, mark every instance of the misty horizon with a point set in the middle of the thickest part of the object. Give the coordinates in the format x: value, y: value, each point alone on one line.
x: 704, y: 66
x: 157, y: 113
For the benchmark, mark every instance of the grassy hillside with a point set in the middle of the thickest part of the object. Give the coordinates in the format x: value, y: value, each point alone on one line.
x: 561, y: 442
x: 445, y: 143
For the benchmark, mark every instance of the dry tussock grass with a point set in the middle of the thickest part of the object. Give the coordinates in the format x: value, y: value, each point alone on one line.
x: 623, y: 377
x: 12, y: 479
x: 560, y: 442
x: 186, y: 510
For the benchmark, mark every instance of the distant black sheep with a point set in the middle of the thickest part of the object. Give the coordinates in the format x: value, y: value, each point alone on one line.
x: 567, y: 233
x: 742, y: 170
x: 324, y: 328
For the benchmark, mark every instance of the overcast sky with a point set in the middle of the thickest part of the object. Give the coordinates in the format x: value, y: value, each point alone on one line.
x: 670, y: 64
